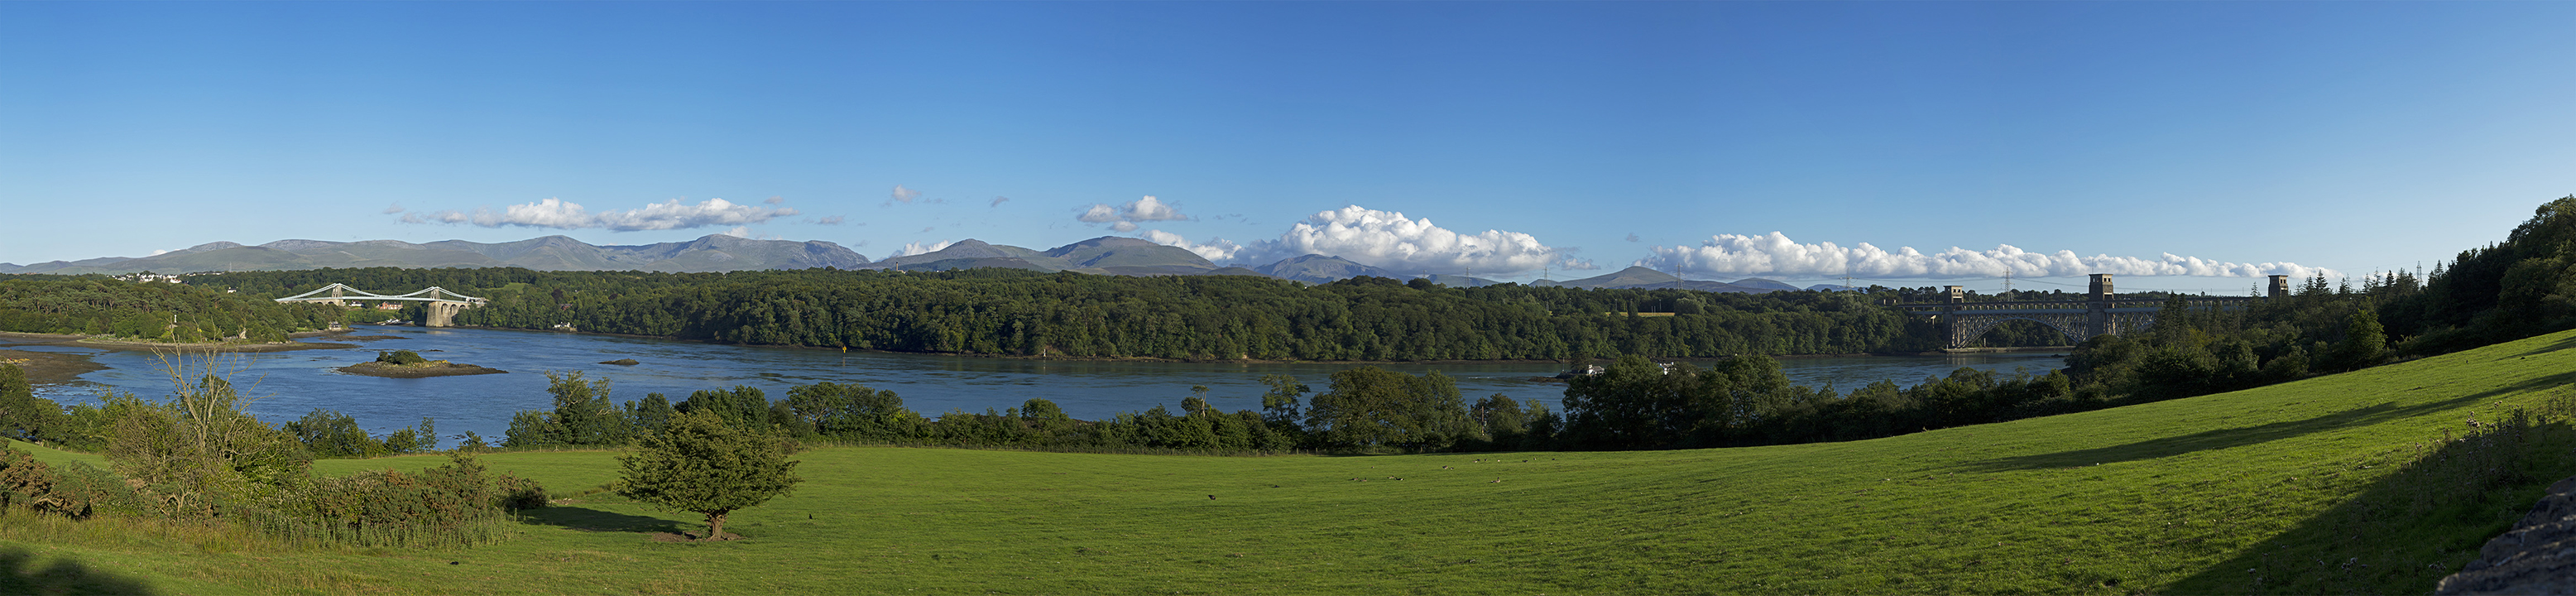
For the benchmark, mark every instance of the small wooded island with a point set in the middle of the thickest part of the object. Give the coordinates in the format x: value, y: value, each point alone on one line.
x: 404, y: 364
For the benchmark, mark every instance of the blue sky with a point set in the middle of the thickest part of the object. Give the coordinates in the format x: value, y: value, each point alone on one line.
x: 2249, y: 135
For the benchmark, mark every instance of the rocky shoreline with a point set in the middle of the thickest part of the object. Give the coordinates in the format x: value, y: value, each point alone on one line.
x: 439, y: 368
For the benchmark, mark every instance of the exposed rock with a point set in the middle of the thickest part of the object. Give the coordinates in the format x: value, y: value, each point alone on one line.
x: 623, y: 362
x: 2538, y: 556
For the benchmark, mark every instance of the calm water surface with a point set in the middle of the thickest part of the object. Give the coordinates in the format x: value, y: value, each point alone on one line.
x: 289, y: 384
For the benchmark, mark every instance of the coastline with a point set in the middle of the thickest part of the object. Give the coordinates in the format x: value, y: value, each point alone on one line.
x: 1065, y: 358
x: 103, y: 343
x: 49, y: 368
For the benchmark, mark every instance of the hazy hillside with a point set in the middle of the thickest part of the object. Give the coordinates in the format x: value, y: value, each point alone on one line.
x: 1321, y: 269
x: 1106, y: 255
x: 1642, y: 278
x: 551, y: 253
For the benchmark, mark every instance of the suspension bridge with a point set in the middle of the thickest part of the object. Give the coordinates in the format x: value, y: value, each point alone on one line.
x: 2099, y: 312
x: 443, y: 303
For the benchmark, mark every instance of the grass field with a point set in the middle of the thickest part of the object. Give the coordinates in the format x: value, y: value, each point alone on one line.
x: 2335, y: 484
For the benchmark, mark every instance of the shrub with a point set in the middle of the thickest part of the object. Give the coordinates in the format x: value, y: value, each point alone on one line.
x: 400, y: 357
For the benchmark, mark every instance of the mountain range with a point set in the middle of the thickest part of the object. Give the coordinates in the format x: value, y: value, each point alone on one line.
x: 551, y: 253
x: 1106, y: 255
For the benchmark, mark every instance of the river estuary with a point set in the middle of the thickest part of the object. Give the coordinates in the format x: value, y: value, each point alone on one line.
x: 286, y: 385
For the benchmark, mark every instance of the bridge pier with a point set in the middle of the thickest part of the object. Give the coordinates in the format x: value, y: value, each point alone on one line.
x: 442, y: 314
x: 2097, y: 309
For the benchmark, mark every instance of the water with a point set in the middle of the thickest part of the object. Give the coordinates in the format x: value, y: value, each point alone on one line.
x: 289, y: 384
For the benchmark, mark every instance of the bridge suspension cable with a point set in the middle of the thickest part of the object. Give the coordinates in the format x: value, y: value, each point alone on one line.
x: 430, y: 294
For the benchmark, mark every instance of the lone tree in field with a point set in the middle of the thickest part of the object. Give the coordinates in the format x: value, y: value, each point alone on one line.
x: 701, y: 464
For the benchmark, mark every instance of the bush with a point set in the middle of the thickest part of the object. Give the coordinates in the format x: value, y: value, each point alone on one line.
x: 457, y: 504
x: 400, y: 357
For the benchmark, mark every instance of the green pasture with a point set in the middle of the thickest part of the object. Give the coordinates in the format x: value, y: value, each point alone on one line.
x: 2334, y: 484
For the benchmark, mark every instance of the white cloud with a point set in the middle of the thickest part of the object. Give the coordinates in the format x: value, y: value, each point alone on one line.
x: 741, y: 232
x: 1215, y: 250
x: 1388, y: 240
x: 160, y: 251
x: 1124, y: 217
x: 1776, y: 254
x: 1632, y: 237
x: 393, y: 208
x: 829, y: 220
x: 904, y: 195
x: 997, y: 201
x: 775, y: 200
x: 559, y: 214
x: 915, y: 248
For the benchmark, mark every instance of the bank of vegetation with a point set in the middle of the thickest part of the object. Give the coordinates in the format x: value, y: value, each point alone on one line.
x: 1026, y: 313
x: 155, y: 312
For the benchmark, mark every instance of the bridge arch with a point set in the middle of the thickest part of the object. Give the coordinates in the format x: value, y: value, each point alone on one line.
x: 1972, y: 327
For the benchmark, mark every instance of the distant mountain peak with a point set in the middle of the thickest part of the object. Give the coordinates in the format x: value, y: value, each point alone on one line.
x: 547, y: 253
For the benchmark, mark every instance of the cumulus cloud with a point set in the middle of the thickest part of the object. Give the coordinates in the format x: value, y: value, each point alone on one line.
x: 160, y: 251
x: 394, y: 208
x: 741, y: 232
x: 1214, y: 250
x: 1776, y: 254
x: 998, y: 200
x: 559, y: 214
x: 903, y: 195
x: 915, y: 248
x: 1123, y: 218
x: 1388, y: 240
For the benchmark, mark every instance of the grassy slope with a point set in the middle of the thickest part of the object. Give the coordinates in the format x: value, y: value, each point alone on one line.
x: 2242, y: 492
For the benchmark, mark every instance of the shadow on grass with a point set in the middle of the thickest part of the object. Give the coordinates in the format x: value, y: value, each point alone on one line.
x: 63, y: 577
x: 2238, y: 437
x: 593, y: 520
x: 2404, y: 533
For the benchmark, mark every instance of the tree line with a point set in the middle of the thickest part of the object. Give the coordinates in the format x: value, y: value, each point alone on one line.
x: 177, y: 313
x: 1016, y: 312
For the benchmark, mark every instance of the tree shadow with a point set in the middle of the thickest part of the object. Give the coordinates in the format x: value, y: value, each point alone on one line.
x: 65, y: 576
x: 2238, y: 437
x: 2561, y: 344
x: 593, y: 520
x: 2405, y: 532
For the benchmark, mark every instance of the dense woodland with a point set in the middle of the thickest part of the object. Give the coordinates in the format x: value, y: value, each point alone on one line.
x: 178, y: 313
x: 1015, y: 312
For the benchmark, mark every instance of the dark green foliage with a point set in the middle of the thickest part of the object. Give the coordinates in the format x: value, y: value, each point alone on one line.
x: 704, y: 464
x: 854, y: 412
x: 97, y: 305
x: 1002, y: 311
x: 30, y: 484
x: 400, y: 357
x: 23, y: 415
x: 1369, y: 407
x: 330, y: 434
x: 744, y: 406
x: 582, y: 416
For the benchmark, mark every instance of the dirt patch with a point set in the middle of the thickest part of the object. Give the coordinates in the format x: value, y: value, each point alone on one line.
x: 691, y: 537
x: 48, y: 368
x: 440, y: 368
